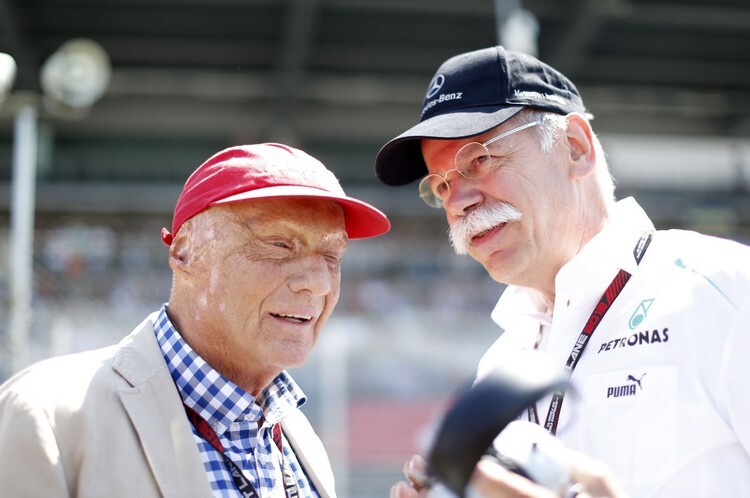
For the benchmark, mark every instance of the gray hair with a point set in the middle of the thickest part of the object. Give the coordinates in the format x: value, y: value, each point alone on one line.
x: 552, y: 126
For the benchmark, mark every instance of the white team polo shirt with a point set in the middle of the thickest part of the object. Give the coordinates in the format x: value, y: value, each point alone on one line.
x: 662, y: 391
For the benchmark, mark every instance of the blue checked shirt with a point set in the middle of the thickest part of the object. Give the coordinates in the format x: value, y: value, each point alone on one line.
x: 234, y: 415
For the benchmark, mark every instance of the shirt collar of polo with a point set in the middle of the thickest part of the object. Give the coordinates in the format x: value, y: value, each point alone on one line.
x: 214, y: 397
x: 602, y: 257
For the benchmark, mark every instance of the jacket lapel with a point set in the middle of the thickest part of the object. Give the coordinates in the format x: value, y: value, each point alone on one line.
x: 310, y: 452
x: 154, y: 406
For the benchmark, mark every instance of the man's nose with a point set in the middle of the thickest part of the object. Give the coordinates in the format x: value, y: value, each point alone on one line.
x: 313, y: 274
x: 463, y: 196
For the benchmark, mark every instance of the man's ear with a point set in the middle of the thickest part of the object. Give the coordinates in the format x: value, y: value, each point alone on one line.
x: 580, y: 140
x: 181, y: 249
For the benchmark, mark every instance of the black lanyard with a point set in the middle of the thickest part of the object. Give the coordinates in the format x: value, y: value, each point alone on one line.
x: 605, y: 303
x: 244, y: 486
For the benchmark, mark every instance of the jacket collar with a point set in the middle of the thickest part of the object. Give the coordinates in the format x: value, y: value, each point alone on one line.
x: 155, y: 409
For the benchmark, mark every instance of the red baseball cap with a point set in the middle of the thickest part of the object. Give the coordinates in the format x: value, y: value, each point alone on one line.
x: 263, y: 171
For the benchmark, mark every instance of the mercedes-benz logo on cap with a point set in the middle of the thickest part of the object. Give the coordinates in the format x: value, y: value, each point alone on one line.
x: 435, y: 85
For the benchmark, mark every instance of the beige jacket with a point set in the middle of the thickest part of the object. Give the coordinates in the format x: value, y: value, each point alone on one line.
x: 111, y: 423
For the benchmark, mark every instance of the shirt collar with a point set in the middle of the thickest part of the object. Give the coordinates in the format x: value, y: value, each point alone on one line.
x: 217, y: 399
x: 595, y: 264
x: 612, y: 248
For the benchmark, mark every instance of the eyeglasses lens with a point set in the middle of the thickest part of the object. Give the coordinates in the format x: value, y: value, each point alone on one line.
x: 471, y: 160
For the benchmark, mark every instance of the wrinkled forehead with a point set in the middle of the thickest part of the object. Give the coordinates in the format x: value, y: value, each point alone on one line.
x: 306, y: 217
x: 439, y: 154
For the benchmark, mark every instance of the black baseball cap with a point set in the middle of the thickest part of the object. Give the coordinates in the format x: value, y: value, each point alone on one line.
x: 470, y: 94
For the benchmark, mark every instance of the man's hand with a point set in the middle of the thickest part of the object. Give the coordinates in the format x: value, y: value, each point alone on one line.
x: 491, y: 480
x: 595, y: 479
x: 415, y: 470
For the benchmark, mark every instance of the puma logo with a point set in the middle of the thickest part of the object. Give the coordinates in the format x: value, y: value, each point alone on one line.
x: 637, y: 381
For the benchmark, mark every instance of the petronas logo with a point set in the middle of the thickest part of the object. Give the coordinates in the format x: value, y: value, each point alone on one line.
x: 640, y: 313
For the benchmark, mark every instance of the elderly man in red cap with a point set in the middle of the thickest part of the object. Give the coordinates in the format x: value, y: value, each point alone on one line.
x: 196, y: 401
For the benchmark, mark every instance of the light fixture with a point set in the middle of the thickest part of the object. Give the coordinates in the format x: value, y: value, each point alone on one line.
x: 73, y: 79
x: 77, y: 74
x: 7, y: 75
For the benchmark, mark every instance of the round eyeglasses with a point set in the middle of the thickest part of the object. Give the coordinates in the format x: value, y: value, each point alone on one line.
x: 472, y: 161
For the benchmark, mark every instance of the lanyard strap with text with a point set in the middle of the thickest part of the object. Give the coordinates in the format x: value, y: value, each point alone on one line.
x: 244, y: 486
x: 601, y: 308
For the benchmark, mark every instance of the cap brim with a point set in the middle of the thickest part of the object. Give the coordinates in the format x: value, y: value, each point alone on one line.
x: 400, y: 161
x: 362, y: 220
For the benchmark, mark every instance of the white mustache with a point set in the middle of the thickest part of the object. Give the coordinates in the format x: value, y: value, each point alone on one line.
x: 483, y: 218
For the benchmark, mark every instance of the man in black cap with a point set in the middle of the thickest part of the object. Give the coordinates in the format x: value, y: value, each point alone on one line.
x: 648, y: 324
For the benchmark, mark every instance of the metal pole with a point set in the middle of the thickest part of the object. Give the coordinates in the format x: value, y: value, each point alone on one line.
x: 22, y: 234
x: 503, y: 10
x: 516, y: 28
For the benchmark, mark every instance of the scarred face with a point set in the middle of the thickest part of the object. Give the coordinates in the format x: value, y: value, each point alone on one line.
x: 265, y: 276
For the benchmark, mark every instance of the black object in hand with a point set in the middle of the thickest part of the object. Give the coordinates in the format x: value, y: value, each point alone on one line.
x: 481, y: 413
